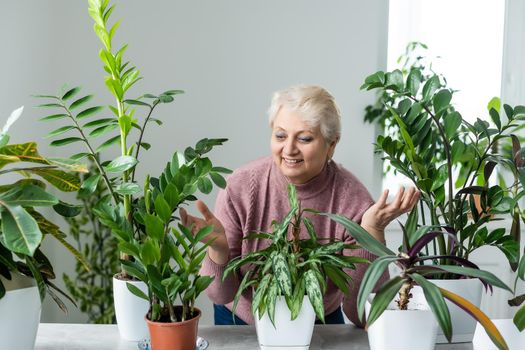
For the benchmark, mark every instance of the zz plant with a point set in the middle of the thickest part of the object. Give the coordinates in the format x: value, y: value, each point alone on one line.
x: 118, y: 210
x: 23, y: 227
x: 168, y: 257
x: 414, y: 270
x: 293, y: 267
x: 422, y: 108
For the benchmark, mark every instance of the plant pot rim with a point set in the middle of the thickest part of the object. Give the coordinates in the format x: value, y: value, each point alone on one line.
x: 128, y: 279
x: 174, y: 324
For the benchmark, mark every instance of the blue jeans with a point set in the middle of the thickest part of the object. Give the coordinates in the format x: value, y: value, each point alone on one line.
x: 223, y: 317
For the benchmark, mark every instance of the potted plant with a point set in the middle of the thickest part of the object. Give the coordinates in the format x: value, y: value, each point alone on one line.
x: 25, y: 271
x: 388, y: 317
x: 289, y: 278
x: 118, y: 209
x: 451, y: 162
x: 168, y: 257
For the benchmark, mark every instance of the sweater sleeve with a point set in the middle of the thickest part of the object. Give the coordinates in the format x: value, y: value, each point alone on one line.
x: 218, y: 291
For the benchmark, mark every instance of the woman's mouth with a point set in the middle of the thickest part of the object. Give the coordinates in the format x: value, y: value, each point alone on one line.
x: 292, y: 162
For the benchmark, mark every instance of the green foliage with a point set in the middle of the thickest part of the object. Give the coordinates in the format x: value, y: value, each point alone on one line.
x: 22, y: 227
x: 415, y: 68
x: 93, y: 289
x: 290, y: 268
x: 452, y: 179
x: 139, y: 217
x: 167, y: 257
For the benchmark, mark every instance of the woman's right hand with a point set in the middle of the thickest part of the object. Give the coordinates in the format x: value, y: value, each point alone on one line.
x: 218, y: 251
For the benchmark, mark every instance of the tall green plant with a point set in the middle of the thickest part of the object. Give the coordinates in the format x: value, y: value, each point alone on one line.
x: 423, y: 110
x: 117, y: 175
x: 293, y: 267
x: 140, y: 217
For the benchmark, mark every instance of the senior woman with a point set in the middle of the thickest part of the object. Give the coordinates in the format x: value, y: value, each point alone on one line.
x: 306, y: 126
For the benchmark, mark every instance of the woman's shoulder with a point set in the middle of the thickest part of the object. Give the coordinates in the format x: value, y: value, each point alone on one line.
x: 348, y: 182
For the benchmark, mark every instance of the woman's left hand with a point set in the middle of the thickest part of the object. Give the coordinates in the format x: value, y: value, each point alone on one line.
x: 379, y: 215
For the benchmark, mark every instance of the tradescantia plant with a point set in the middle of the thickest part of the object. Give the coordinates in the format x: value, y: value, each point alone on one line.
x: 414, y: 270
x: 22, y: 226
x: 422, y: 108
x: 293, y: 267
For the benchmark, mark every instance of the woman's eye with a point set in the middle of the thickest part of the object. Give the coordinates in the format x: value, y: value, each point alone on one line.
x: 305, y: 139
x: 280, y: 136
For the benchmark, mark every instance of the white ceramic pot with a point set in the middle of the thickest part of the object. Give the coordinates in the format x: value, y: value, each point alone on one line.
x: 463, y: 325
x: 415, y: 328
x: 515, y: 339
x: 130, y: 310
x: 287, y: 334
x: 19, y: 318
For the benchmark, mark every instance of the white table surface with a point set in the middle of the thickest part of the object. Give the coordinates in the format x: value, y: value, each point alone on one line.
x: 58, y: 336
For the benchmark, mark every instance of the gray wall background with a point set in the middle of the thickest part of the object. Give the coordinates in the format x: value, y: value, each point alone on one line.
x: 229, y: 56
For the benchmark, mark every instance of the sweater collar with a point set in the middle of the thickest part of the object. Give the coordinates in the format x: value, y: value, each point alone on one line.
x: 307, y: 190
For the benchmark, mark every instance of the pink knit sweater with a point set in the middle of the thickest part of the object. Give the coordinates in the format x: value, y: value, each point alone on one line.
x: 256, y: 195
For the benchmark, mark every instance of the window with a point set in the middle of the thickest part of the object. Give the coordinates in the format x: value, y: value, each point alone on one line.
x: 465, y: 44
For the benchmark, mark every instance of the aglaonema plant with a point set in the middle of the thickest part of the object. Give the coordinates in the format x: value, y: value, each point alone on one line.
x: 415, y: 267
x: 293, y: 267
x: 450, y: 184
x: 23, y: 227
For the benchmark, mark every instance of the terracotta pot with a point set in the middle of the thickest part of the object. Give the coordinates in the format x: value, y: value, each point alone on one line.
x: 174, y: 335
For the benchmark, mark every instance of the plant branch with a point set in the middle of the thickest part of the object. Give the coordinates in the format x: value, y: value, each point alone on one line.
x: 140, y: 137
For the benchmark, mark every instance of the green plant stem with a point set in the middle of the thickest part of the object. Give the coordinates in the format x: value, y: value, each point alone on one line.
x: 173, y: 317
x: 93, y: 154
x: 140, y: 137
x: 423, y: 221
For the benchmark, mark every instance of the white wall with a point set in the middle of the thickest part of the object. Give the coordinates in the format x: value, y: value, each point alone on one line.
x: 228, y: 55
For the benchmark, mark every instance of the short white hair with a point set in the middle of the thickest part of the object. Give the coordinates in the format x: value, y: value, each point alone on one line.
x: 313, y: 104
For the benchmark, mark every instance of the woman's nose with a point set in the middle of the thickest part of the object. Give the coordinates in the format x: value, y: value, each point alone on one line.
x: 290, y: 147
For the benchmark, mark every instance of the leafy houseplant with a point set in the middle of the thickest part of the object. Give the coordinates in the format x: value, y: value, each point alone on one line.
x: 120, y: 209
x: 291, y: 268
x: 422, y: 109
x: 23, y: 228
x: 168, y: 258
x: 414, y: 269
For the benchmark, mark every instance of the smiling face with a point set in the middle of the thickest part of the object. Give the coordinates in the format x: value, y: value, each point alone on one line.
x: 299, y: 150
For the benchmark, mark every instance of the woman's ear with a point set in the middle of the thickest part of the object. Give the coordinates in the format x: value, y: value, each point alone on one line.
x: 331, y: 147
